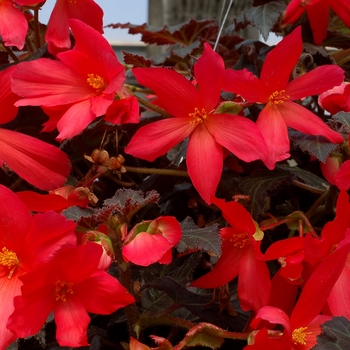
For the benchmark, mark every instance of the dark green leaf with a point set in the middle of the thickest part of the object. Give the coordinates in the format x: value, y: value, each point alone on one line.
x: 265, y: 17
x: 315, y: 145
x: 335, y: 335
x: 77, y: 213
x: 344, y: 119
x: 262, y: 184
x: 306, y: 176
x: 195, y: 238
x: 200, y: 305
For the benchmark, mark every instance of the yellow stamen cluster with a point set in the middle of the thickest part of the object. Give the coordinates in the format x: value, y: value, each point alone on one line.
x: 198, y: 116
x: 240, y: 240
x: 299, y: 335
x: 62, y: 289
x: 9, y: 258
x: 279, y: 97
x: 95, y: 81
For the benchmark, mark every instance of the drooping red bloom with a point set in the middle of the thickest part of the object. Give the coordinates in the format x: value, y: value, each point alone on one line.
x: 82, y: 86
x: 274, y: 89
x: 57, y: 34
x: 194, y: 114
x: 70, y: 285
x: 41, y: 164
x: 25, y: 243
x: 13, y: 23
x: 318, y: 14
x: 152, y: 241
x: 240, y: 257
x: 301, y: 329
x: 336, y: 99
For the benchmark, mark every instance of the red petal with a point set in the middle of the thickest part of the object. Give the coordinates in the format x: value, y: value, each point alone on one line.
x: 318, y: 287
x: 318, y: 16
x: 31, y: 311
x: 204, y: 162
x: 226, y: 268
x: 236, y: 215
x: 175, y: 93
x: 284, y: 248
x: 342, y: 178
x: 105, y: 296
x: 7, y: 97
x: 47, y: 234
x: 300, y: 118
x: 339, y: 298
x: 293, y: 11
x: 274, y: 130
x: 39, y: 163
x: 159, y: 137
x: 72, y: 321
x: 253, y: 281
x: 315, y: 82
x: 239, y: 135
x: 275, y: 316
x: 146, y: 249
x: 58, y: 28
x: 209, y: 72
x: 246, y: 84
x: 12, y: 17
x: 9, y: 287
x: 48, y: 83
x: 14, y: 219
x: 75, y: 120
x: 280, y: 61
x: 341, y: 8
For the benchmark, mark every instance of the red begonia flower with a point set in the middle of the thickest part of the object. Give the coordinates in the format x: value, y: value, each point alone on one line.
x: 194, y: 114
x: 301, y: 329
x: 336, y: 99
x: 318, y: 13
x: 26, y: 242
x: 152, y: 241
x: 57, y: 34
x: 70, y: 285
x: 41, y: 164
x: 240, y: 256
x: 274, y: 89
x: 13, y: 23
x: 83, y: 84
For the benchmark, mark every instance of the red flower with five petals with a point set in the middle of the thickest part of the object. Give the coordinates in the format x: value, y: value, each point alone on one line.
x: 274, y: 89
x: 240, y: 256
x: 194, y: 114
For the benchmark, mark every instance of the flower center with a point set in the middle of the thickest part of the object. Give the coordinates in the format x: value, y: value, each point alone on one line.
x: 299, y: 335
x: 198, y: 116
x: 240, y: 240
x: 278, y: 97
x: 63, y: 288
x: 9, y: 258
x: 95, y: 81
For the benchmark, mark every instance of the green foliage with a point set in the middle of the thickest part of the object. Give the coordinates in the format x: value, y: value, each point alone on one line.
x: 335, y: 335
